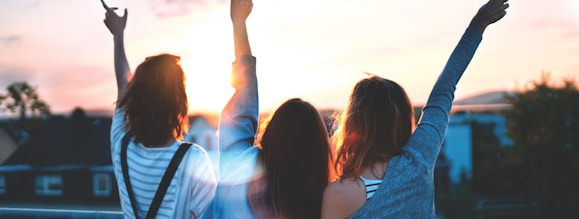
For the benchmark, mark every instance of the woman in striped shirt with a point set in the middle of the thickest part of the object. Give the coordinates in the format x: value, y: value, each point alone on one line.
x: 149, y: 121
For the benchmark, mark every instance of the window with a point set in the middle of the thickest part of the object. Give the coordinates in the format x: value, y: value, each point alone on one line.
x: 2, y: 185
x: 102, y: 185
x: 49, y: 185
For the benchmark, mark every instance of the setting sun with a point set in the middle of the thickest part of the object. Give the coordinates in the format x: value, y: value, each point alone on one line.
x: 208, y: 86
x: 206, y: 52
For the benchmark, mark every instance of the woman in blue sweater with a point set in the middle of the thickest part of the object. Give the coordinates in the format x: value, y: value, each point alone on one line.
x: 386, y: 162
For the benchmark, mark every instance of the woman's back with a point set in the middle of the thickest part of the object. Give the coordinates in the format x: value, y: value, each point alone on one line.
x: 190, y: 190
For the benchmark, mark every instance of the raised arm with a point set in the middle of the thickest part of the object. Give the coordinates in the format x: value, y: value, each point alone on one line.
x: 240, y: 10
x: 116, y: 25
x: 238, y: 122
x: 434, y: 121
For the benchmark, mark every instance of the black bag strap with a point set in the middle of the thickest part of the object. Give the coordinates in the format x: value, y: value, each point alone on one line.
x: 169, y: 173
x: 162, y: 189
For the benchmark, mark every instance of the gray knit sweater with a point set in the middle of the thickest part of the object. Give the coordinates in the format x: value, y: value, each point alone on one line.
x: 407, y: 189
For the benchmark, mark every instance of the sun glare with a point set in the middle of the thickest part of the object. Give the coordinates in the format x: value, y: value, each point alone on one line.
x: 208, y: 86
x: 206, y: 53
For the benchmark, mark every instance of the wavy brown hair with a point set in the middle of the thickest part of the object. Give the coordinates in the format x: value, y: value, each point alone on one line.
x: 155, y: 101
x: 375, y: 124
x: 297, y: 158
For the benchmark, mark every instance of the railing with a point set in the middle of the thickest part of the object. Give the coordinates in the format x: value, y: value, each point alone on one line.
x: 32, y: 213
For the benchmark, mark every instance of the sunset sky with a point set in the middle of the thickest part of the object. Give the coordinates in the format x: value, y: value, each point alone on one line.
x: 313, y: 49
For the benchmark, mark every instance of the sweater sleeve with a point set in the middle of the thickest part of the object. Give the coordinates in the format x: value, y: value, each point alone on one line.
x: 238, y: 123
x: 429, y: 135
x: 407, y: 190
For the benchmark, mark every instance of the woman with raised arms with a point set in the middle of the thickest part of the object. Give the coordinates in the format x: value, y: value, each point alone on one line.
x: 158, y: 176
x: 285, y: 174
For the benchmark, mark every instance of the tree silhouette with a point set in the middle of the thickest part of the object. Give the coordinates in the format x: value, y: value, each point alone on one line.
x: 544, y: 124
x: 24, y: 100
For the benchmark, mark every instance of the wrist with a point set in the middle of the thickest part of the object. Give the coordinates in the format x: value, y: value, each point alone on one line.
x: 477, y: 25
x: 238, y: 22
x: 119, y: 36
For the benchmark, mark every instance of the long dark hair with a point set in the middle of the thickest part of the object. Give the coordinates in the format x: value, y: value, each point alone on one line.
x: 376, y: 123
x: 155, y: 101
x: 297, y: 158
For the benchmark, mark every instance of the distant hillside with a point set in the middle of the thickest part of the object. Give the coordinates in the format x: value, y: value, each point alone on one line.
x: 486, y: 98
x: 98, y: 112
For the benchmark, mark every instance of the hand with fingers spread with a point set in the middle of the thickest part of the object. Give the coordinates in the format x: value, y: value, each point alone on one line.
x: 489, y: 13
x: 115, y: 23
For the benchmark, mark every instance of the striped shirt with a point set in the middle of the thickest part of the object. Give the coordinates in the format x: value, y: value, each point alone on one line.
x: 371, y: 186
x: 189, y: 193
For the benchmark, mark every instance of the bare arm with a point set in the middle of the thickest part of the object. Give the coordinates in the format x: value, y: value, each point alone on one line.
x: 238, y: 122
x: 240, y: 10
x: 116, y: 25
x: 342, y: 198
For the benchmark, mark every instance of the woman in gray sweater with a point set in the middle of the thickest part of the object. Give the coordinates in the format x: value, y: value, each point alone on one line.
x: 386, y: 162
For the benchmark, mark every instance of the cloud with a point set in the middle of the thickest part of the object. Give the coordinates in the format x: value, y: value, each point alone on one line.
x: 10, y: 40
x: 173, y: 8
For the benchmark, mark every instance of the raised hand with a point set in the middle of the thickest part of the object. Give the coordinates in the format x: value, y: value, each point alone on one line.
x: 489, y: 13
x: 240, y: 10
x: 115, y: 23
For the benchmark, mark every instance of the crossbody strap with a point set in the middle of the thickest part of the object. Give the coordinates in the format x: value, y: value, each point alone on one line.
x: 162, y: 189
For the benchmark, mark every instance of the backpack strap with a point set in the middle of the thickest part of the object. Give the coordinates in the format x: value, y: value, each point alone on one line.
x: 163, y: 186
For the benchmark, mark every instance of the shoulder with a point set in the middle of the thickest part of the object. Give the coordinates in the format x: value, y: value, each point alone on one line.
x: 199, y: 168
x: 345, y: 190
x: 118, y: 124
x: 342, y: 198
x: 197, y: 153
x: 196, y: 160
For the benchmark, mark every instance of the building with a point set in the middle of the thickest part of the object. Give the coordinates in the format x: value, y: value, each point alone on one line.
x: 66, y: 160
x: 7, y: 144
x: 457, y: 147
